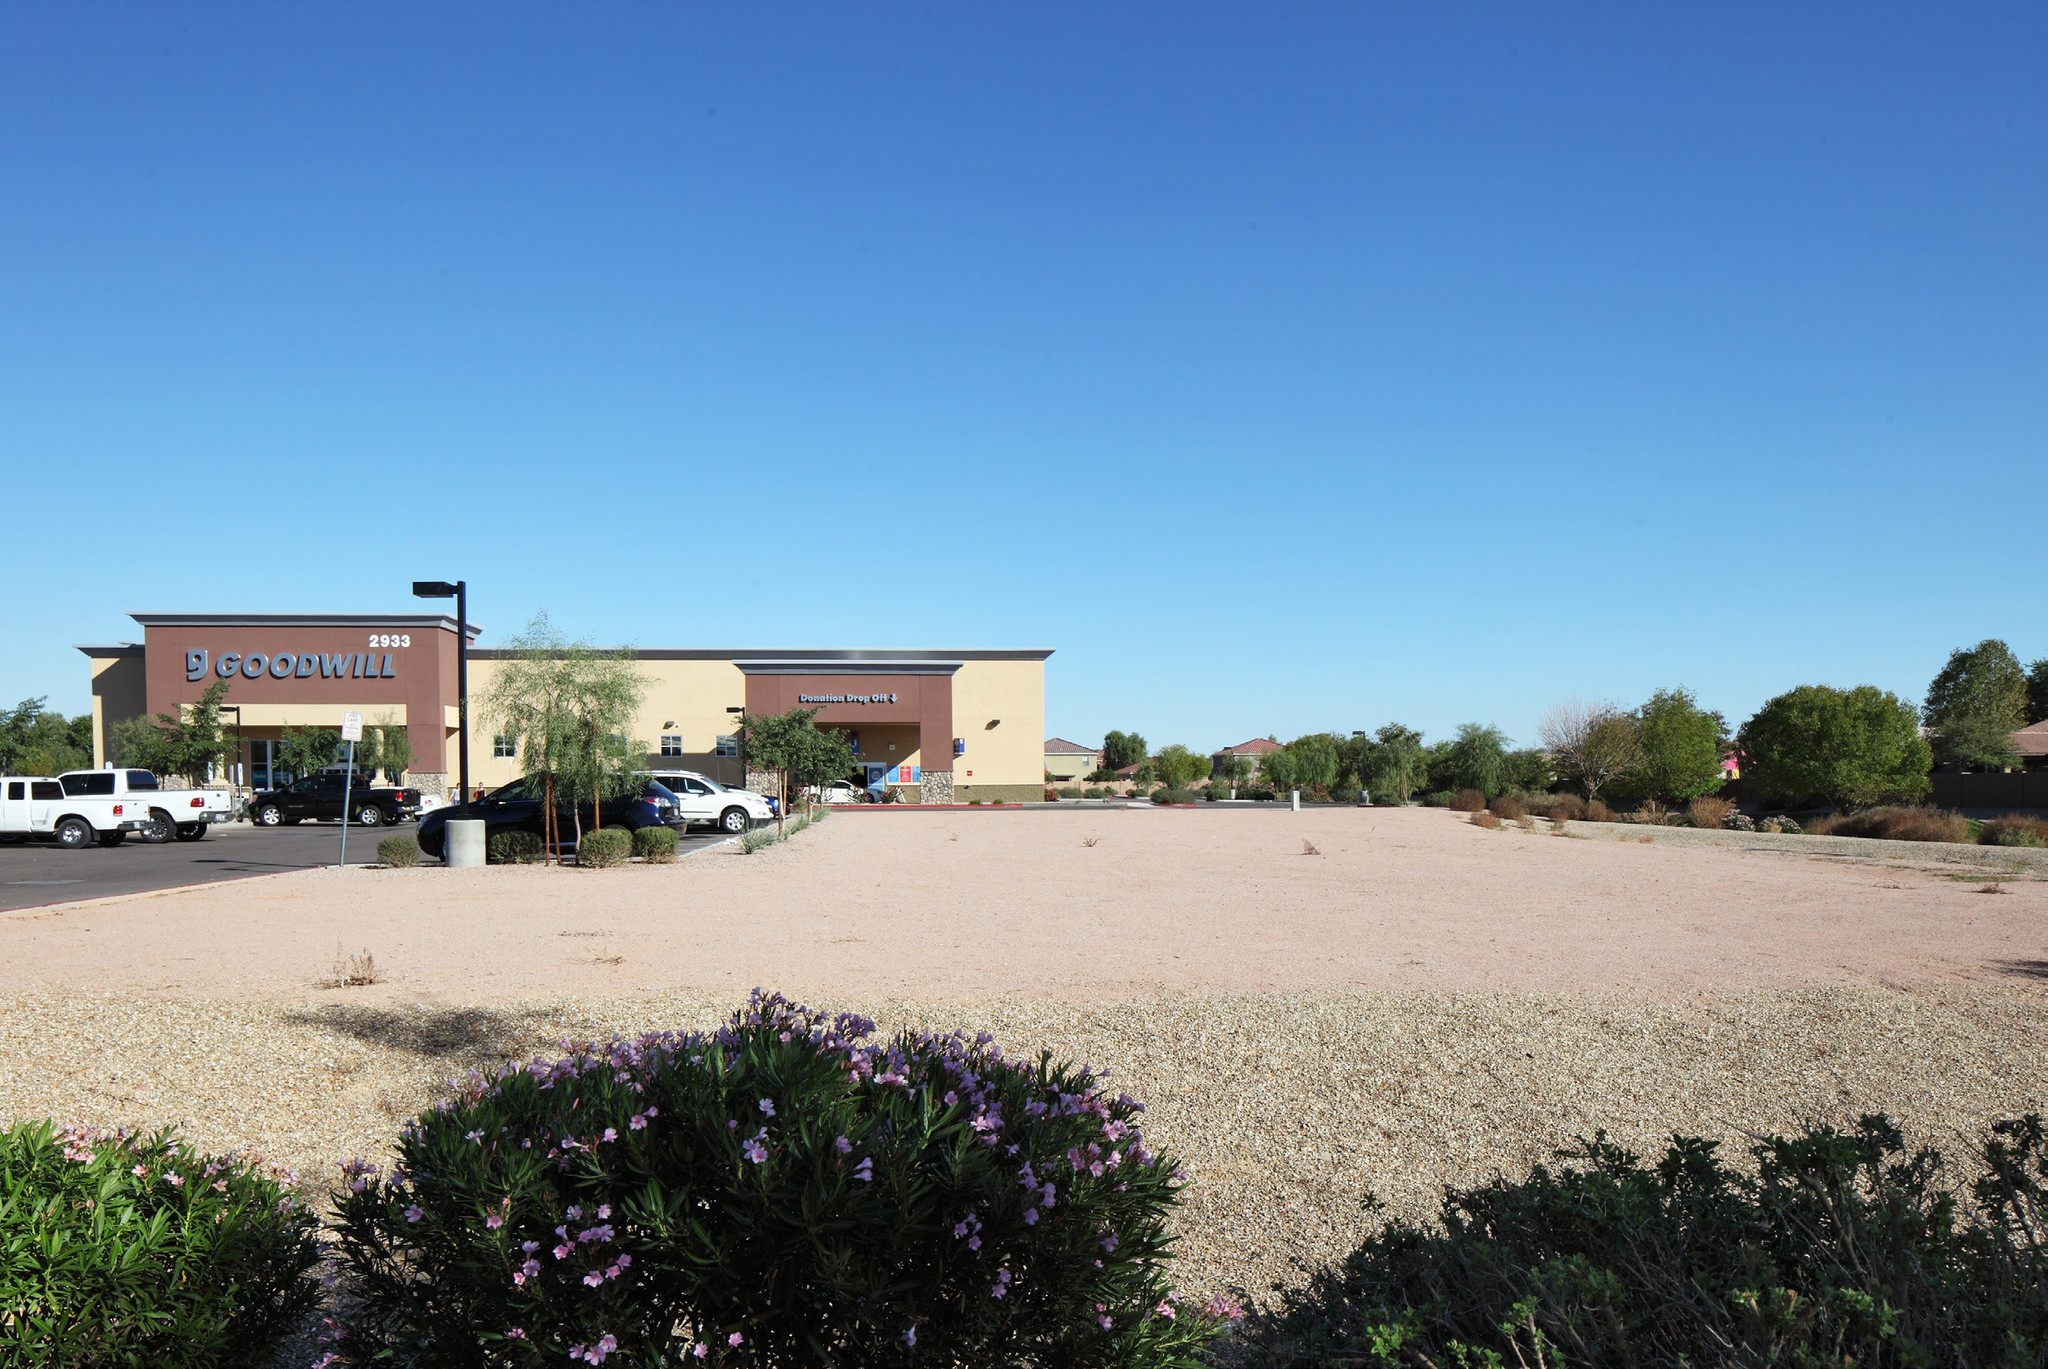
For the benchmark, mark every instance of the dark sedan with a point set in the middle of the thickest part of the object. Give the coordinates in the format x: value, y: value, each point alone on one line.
x: 517, y: 807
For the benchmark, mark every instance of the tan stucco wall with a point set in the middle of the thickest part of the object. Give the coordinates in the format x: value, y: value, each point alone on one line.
x: 119, y: 691
x: 1011, y: 694
x: 1064, y: 766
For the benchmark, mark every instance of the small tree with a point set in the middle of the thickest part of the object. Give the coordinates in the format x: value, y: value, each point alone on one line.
x: 1592, y: 745
x: 35, y: 741
x: 2037, y: 692
x: 1476, y: 760
x: 796, y: 750
x: 394, y: 749
x: 1120, y: 749
x: 1178, y: 767
x: 304, y: 750
x: 189, y: 741
x: 1680, y: 747
x: 1974, y: 706
x: 1280, y: 769
x: 1396, y: 762
x: 1844, y: 747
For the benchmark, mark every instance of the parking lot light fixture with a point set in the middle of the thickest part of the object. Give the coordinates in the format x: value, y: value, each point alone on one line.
x: 459, y: 592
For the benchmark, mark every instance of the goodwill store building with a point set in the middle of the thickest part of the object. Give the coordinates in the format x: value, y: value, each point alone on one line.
x: 935, y: 726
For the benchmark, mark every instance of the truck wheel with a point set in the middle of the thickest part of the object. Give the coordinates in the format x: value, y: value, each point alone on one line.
x: 269, y: 815
x: 74, y: 834
x: 160, y: 829
x: 191, y: 831
x: 733, y: 819
x: 370, y: 815
x: 112, y: 838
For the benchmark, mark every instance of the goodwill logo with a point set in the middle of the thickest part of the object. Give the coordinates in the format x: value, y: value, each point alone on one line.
x: 286, y: 665
x: 846, y: 698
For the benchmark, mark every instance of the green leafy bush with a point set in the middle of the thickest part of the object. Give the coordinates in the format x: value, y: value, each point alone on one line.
x: 400, y: 851
x: 1438, y: 798
x: 655, y: 845
x: 516, y: 847
x: 605, y: 849
x: 1842, y: 1248
x: 137, y: 1251
x: 785, y: 1191
x: 1165, y: 796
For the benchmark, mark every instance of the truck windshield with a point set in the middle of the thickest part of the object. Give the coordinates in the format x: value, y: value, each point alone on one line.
x: 92, y: 782
x: 141, y: 779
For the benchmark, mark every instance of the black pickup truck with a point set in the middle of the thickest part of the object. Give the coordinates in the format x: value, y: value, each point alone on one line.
x: 318, y: 798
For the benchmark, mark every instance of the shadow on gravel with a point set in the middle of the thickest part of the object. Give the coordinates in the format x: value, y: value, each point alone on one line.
x: 471, y: 1035
x: 2023, y: 969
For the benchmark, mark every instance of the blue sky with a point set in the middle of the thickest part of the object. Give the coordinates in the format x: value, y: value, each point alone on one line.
x: 1282, y: 366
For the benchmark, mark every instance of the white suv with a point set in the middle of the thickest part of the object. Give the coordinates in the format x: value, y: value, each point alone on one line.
x: 703, y: 801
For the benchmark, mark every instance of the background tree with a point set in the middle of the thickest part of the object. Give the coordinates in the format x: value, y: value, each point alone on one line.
x: 566, y: 707
x: 1975, y: 705
x: 189, y: 742
x: 1178, y: 767
x: 1236, y: 772
x: 1591, y: 745
x: 2037, y: 692
x: 35, y: 741
x: 1848, y: 748
x: 1679, y: 748
x: 1120, y: 749
x: 306, y: 750
x: 1475, y: 760
x: 1527, y: 771
x: 1312, y: 764
x: 394, y: 749
x: 796, y: 750
x: 1396, y: 762
x: 1280, y: 770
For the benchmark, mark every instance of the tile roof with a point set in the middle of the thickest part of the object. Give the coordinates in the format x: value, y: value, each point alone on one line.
x: 1257, y: 746
x: 1060, y: 746
x: 2031, y: 741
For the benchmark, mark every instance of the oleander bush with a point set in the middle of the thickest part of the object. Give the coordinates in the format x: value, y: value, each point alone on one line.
x: 1176, y: 796
x: 2014, y: 829
x: 655, y: 845
x: 1836, y: 1248
x: 400, y: 852
x: 516, y: 847
x: 1894, y: 824
x: 1467, y: 801
x: 1709, y: 812
x: 784, y: 1191
x: 136, y: 1251
x: 604, y: 849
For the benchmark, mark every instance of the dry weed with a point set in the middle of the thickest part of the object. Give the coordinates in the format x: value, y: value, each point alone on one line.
x: 351, y: 971
x: 1090, y: 841
x: 1487, y: 819
x: 1308, y: 848
x: 1526, y: 822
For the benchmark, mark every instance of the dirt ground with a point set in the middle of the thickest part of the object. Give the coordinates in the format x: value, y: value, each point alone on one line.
x: 1315, y: 1004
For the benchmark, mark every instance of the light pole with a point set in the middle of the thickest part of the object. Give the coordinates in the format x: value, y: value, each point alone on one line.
x: 743, y: 743
x: 241, y: 765
x: 459, y: 591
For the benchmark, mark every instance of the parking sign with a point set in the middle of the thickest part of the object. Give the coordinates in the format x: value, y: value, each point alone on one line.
x: 351, y: 727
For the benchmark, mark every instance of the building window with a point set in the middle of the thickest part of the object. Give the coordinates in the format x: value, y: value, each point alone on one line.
x: 729, y: 746
x: 671, y: 743
x: 502, y: 748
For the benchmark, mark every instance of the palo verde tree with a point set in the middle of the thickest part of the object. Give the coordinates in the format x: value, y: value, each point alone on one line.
x: 796, y: 750
x: 567, y: 708
x: 1975, y: 705
x: 189, y: 741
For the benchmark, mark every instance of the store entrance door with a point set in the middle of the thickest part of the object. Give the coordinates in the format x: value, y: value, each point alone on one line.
x: 877, y: 776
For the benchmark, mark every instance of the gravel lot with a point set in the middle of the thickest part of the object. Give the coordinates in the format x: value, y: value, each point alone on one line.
x: 1421, y: 1003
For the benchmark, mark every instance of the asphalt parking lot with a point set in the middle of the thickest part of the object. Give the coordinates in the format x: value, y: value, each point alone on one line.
x: 32, y: 875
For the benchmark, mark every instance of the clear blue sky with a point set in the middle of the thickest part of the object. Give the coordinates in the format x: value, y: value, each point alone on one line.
x: 1284, y: 366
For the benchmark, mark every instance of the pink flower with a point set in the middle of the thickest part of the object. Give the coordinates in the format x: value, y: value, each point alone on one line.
x: 733, y: 1340
x: 494, y: 1221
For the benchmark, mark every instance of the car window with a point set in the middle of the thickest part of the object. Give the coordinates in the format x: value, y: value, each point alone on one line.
x: 99, y: 782
x: 17, y: 790
x: 697, y: 787
x: 47, y: 789
x: 141, y: 779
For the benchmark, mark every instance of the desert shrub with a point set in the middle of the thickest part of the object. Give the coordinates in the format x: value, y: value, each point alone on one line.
x: 1709, y: 812
x: 1216, y: 793
x: 513, y: 848
x: 1052, y: 795
x: 602, y: 850
x: 1841, y: 1248
x: 758, y: 839
x: 1567, y: 808
x: 1510, y: 807
x: 783, y: 1191
x: 1596, y: 811
x: 1069, y: 791
x: 2014, y: 829
x: 1259, y: 793
x: 1467, y: 801
x: 1527, y: 822
x: 1438, y: 798
x: 655, y: 845
x: 1486, y: 818
x: 1894, y: 824
x: 1176, y: 796
x: 1650, y: 813
x: 1738, y: 821
x: 400, y: 852
x: 1779, y: 822
x: 136, y: 1250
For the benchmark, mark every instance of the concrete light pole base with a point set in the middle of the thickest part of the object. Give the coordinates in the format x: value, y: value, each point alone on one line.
x: 465, y: 844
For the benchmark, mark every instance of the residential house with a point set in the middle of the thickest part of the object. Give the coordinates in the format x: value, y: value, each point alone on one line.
x: 1067, y: 761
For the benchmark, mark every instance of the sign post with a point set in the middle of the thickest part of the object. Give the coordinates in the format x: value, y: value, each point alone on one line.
x: 351, y: 732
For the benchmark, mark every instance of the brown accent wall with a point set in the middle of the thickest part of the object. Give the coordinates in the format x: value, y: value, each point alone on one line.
x: 423, y: 675
x: 924, y: 700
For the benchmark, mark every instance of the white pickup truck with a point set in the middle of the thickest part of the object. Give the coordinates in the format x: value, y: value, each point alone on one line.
x: 181, y: 813
x: 31, y: 806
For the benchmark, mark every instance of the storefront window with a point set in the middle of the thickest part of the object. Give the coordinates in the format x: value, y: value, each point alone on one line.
x: 729, y: 746
x: 671, y: 743
x: 502, y: 748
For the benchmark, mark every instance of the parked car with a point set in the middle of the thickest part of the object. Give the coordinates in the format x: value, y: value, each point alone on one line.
x: 519, y: 807
x: 839, y: 791
x: 181, y: 813
x: 37, y: 808
x: 320, y: 797
x: 704, y: 802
